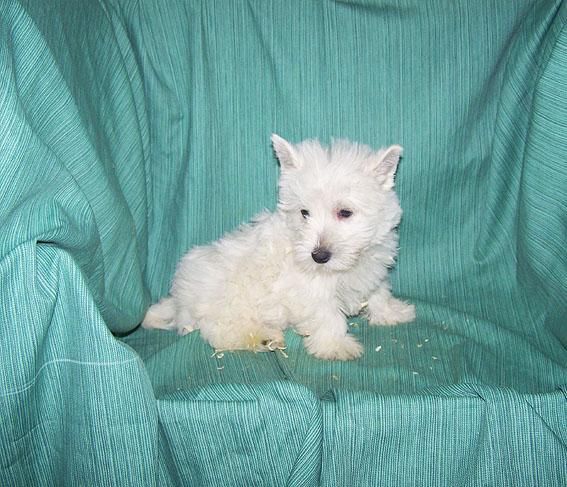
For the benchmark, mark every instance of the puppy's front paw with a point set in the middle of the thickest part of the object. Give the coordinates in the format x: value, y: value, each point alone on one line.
x: 391, y: 311
x: 344, y: 347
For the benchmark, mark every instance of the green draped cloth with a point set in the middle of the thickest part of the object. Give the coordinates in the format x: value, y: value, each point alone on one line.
x: 131, y: 130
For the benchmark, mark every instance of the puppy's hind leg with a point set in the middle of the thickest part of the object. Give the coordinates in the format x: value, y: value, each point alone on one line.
x: 242, y: 333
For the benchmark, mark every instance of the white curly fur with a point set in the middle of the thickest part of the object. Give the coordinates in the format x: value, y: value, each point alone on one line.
x: 336, y: 205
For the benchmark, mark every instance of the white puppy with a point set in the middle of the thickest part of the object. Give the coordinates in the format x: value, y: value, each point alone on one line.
x: 323, y: 254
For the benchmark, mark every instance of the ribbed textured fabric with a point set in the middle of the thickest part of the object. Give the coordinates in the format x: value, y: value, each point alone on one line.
x: 131, y: 130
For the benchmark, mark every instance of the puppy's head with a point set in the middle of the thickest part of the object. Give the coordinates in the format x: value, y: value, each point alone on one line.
x: 338, y: 200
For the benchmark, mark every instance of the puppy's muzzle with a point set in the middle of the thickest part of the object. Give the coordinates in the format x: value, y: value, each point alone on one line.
x: 321, y: 255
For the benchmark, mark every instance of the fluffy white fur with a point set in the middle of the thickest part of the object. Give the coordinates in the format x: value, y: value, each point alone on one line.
x: 337, y: 205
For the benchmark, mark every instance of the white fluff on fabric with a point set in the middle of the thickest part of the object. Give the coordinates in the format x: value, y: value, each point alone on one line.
x: 323, y: 254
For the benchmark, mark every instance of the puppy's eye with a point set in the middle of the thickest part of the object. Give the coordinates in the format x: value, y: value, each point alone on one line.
x: 344, y: 213
x: 304, y: 213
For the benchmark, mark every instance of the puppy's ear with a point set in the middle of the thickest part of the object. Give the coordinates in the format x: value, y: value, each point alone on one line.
x: 386, y: 163
x: 285, y: 153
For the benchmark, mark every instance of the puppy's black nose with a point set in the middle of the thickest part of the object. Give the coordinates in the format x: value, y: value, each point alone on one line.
x: 321, y: 256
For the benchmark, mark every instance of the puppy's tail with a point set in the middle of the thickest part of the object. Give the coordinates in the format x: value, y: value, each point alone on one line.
x: 161, y: 315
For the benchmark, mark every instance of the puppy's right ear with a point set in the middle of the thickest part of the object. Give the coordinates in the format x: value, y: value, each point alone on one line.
x: 285, y: 153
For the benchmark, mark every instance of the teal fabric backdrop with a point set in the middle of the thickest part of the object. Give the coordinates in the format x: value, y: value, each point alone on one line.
x: 131, y: 130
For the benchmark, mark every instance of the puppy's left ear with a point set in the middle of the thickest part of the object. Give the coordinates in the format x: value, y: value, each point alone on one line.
x: 386, y: 164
